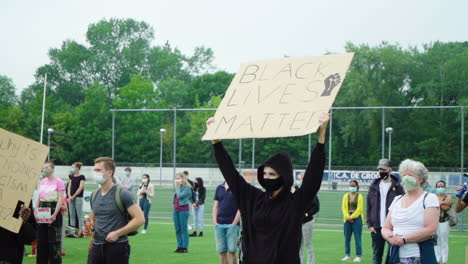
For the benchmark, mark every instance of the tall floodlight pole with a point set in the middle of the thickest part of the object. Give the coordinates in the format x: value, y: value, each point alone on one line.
x: 162, y: 131
x: 43, y: 108
x: 389, y: 130
x: 49, y: 131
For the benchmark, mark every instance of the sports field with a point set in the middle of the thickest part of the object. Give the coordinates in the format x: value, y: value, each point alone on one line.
x: 157, y: 245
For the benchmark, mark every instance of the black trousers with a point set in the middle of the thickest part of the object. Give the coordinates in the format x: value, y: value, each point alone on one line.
x: 49, y: 237
x: 378, y: 246
x: 110, y: 253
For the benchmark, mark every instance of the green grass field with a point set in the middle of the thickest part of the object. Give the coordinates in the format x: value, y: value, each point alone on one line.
x: 159, y: 243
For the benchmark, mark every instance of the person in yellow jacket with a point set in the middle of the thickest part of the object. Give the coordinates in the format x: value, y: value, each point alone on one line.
x: 353, y: 216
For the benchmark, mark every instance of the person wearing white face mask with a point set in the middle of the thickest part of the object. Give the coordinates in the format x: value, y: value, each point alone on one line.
x: 49, y: 218
x: 145, y: 193
x: 110, y: 242
x: 353, y: 216
x: 181, y: 212
x: 442, y: 247
x: 412, y: 219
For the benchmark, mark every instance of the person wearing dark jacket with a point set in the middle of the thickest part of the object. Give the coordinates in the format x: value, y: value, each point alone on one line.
x: 198, y: 203
x: 272, y: 220
x: 12, y: 244
x: 381, y: 193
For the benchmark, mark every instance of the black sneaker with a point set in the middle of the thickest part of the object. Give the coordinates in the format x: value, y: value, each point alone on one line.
x: 194, y: 234
x: 200, y: 234
x: 183, y: 250
x: 177, y: 250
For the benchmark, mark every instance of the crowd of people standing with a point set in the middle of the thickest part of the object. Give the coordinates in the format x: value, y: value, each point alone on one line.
x: 405, y: 213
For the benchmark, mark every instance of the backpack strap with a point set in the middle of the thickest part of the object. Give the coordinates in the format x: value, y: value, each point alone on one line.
x: 93, y: 197
x: 118, y: 200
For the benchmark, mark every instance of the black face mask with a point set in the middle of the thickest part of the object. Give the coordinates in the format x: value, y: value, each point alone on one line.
x: 272, y: 185
x: 383, y: 175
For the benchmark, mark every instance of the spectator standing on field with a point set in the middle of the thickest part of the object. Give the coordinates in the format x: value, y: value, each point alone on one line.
x: 412, y: 218
x: 443, y: 229
x: 145, y: 194
x: 381, y: 193
x: 75, y: 191
x: 110, y: 242
x: 226, y: 218
x: 181, y: 205
x: 198, y: 203
x: 307, y: 228
x: 128, y: 181
x: 48, y: 207
x: 353, y: 216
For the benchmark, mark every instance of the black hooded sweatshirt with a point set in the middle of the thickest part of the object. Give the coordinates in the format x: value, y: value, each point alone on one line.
x: 272, y: 226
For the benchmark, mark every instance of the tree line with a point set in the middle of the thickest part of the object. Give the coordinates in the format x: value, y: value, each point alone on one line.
x: 119, y: 68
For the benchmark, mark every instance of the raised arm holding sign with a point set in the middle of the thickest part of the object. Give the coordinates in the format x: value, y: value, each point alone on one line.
x: 273, y: 217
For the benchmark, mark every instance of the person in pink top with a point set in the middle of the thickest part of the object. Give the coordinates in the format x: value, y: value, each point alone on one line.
x: 49, y: 217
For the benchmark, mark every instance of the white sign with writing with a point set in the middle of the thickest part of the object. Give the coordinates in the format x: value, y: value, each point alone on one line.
x: 21, y: 161
x: 279, y: 98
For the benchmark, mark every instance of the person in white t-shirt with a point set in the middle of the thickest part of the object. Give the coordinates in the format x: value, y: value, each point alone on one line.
x: 413, y: 218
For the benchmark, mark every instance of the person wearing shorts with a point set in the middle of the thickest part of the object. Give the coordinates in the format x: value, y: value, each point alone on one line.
x: 226, y: 217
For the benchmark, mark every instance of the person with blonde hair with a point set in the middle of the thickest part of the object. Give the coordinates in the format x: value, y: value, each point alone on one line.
x: 48, y: 214
x: 181, y: 204
x: 412, y: 219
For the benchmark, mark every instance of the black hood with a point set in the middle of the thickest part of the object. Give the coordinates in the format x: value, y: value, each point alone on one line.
x: 281, y: 162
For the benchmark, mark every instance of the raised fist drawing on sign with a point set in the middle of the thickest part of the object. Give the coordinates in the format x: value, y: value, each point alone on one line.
x: 331, y: 82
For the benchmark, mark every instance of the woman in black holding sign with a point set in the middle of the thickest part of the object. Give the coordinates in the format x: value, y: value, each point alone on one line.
x: 272, y: 220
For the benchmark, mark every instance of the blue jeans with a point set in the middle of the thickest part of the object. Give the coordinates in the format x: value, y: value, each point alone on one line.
x: 226, y: 238
x: 198, y: 218
x: 145, y: 206
x: 181, y: 228
x: 356, y: 229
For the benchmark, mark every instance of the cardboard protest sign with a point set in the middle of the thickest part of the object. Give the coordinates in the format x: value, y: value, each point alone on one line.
x: 279, y: 98
x: 21, y: 161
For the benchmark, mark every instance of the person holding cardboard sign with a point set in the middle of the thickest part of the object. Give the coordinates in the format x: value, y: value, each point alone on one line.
x: 48, y: 216
x: 272, y: 219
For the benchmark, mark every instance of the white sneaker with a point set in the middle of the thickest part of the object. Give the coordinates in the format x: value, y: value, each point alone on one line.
x: 357, y: 259
x: 346, y: 258
x: 189, y: 227
x: 143, y: 231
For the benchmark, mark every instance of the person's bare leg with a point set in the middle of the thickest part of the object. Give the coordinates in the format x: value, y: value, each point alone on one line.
x: 233, y: 258
x: 223, y: 257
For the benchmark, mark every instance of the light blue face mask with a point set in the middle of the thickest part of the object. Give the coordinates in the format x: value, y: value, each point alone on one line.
x: 126, y: 173
x: 440, y: 190
x: 353, y: 189
x: 72, y: 170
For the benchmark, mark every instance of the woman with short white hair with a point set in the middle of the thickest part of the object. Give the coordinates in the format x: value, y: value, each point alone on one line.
x: 412, y: 219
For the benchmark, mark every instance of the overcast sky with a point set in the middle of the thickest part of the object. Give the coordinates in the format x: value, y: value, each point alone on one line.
x: 237, y: 31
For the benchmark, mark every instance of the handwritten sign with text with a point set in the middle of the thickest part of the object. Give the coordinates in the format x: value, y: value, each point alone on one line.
x: 279, y: 98
x: 21, y: 161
